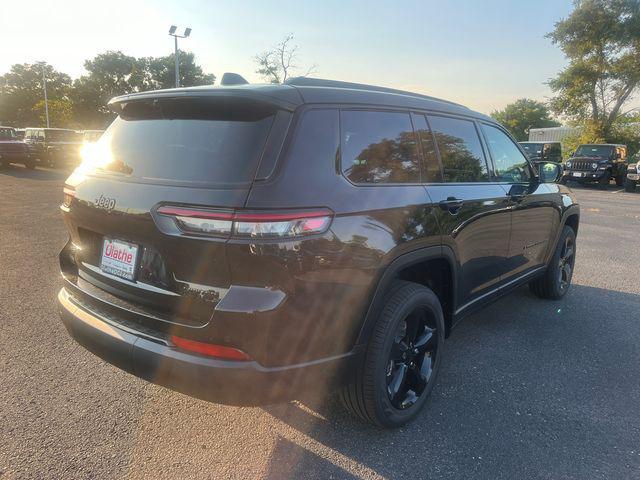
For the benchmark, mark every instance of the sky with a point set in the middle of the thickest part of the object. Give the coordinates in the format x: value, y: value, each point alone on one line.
x: 483, y: 54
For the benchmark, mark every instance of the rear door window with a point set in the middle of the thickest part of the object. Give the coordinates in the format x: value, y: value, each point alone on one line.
x: 189, y: 142
x: 378, y: 147
x: 460, y: 149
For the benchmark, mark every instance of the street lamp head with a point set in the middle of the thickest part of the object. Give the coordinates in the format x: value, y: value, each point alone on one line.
x: 187, y: 32
x: 172, y: 29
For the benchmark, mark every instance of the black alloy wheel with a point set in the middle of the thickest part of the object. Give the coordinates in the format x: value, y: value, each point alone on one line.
x: 566, y: 262
x: 412, y: 358
x: 400, y: 366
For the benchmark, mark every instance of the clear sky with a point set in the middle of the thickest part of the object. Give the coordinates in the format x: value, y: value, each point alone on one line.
x: 483, y: 54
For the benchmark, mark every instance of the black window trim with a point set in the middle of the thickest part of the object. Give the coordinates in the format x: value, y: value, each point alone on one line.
x: 532, y: 170
x: 375, y: 108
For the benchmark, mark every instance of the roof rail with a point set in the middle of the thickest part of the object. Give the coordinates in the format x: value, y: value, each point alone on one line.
x: 319, y: 82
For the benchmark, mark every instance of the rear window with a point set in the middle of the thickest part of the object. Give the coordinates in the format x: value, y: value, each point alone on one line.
x: 187, y: 142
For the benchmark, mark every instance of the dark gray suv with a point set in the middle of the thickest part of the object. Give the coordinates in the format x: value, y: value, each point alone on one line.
x: 248, y: 244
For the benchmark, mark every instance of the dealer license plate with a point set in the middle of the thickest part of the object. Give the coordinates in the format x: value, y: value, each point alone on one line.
x: 119, y: 258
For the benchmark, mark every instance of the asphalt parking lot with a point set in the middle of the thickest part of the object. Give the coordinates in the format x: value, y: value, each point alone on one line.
x: 529, y: 388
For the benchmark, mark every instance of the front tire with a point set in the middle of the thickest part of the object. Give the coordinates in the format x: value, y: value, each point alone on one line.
x: 555, y: 282
x: 605, y: 180
x: 629, y: 185
x: 620, y: 180
x: 402, y: 359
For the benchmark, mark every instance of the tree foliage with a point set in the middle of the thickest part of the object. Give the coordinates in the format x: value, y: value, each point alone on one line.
x: 22, y: 87
x: 83, y: 102
x: 523, y: 114
x: 601, y: 39
x: 278, y: 63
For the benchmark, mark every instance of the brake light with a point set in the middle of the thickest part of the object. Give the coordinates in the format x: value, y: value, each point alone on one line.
x: 242, y: 224
x: 209, y: 349
x: 68, y: 195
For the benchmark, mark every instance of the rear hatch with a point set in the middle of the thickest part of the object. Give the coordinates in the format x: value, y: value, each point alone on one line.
x: 172, y: 153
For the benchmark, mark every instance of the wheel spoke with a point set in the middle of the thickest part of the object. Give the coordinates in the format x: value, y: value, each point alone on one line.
x: 567, y: 272
x: 568, y: 253
x: 426, y: 341
x: 397, y: 382
x: 426, y: 369
x: 409, y: 400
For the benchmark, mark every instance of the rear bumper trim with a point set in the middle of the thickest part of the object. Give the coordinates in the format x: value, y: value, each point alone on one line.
x: 220, y: 381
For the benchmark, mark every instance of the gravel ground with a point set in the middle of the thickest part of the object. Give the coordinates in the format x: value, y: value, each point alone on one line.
x: 528, y: 388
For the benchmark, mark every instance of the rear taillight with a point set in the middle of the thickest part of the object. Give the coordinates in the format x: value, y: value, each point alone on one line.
x: 68, y: 195
x: 209, y: 349
x: 243, y: 224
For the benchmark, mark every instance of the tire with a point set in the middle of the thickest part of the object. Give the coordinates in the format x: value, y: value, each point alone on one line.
x: 620, y: 180
x: 403, y: 355
x: 605, y: 180
x: 629, y: 186
x: 30, y: 164
x: 555, y: 282
x: 563, y: 181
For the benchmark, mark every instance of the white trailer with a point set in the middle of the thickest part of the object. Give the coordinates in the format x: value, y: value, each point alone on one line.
x: 551, y: 134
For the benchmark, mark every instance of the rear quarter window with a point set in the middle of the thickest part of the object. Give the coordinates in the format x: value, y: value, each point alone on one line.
x: 378, y: 147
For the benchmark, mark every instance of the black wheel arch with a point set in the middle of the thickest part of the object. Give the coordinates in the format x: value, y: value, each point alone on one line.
x: 393, y: 272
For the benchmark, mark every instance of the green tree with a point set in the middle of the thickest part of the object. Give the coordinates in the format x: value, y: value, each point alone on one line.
x: 113, y: 73
x: 523, y: 114
x: 21, y: 89
x: 109, y: 74
x: 61, y: 113
x: 601, y: 39
x: 161, y: 72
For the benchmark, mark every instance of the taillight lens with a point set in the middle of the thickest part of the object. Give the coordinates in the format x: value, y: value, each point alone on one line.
x: 68, y: 195
x: 209, y: 349
x: 249, y: 224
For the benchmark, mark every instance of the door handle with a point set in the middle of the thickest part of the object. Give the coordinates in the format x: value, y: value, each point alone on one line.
x: 451, y: 205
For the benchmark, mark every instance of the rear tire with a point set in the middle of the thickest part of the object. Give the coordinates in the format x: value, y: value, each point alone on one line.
x: 555, y: 282
x: 30, y: 164
x: 391, y: 385
x: 620, y: 180
x: 629, y: 186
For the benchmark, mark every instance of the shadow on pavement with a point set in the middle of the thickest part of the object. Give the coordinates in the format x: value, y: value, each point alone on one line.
x: 41, y: 174
x: 528, y: 389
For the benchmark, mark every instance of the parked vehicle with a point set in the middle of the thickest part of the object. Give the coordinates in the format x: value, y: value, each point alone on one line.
x: 13, y: 150
x: 91, y: 136
x: 633, y: 174
x: 597, y: 163
x: 543, y: 152
x: 256, y: 243
x: 54, y: 147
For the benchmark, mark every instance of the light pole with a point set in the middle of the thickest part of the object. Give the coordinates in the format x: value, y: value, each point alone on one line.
x: 46, y: 101
x: 172, y: 32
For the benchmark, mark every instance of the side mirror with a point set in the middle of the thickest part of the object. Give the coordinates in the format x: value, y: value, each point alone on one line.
x: 549, y: 172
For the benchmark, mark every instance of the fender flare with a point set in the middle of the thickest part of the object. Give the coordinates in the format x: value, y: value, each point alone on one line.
x: 389, y: 275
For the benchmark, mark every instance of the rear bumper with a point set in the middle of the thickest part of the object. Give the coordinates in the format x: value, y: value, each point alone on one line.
x: 220, y: 381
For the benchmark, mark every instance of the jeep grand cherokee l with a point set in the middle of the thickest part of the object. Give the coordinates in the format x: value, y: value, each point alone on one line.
x: 249, y: 244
